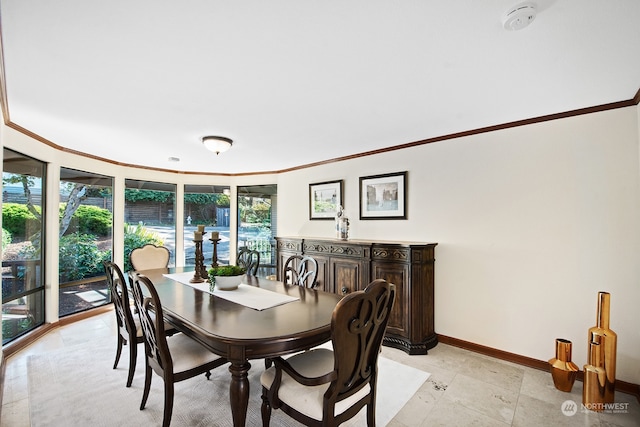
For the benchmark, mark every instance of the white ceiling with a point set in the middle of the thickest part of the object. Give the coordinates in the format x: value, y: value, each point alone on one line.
x: 294, y: 82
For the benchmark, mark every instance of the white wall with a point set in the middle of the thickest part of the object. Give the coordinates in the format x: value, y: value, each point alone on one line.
x: 530, y: 222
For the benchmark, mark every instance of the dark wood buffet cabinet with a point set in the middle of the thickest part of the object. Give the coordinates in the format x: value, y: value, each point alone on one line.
x: 348, y: 265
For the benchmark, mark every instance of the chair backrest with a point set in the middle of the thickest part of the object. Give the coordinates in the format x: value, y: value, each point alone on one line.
x: 152, y: 323
x: 249, y: 259
x: 120, y: 297
x: 301, y: 270
x: 357, y: 327
x: 149, y: 257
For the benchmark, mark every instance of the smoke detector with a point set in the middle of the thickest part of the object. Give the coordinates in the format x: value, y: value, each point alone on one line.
x: 519, y: 16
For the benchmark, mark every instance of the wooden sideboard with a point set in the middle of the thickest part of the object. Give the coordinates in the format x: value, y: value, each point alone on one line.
x: 348, y: 265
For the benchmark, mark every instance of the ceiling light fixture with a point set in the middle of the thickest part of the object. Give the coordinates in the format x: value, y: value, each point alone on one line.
x: 217, y: 144
x: 519, y: 16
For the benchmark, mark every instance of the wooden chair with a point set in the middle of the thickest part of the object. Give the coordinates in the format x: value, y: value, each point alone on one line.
x: 174, y: 359
x: 149, y: 257
x: 249, y: 259
x: 128, y: 323
x: 129, y: 331
x: 300, y: 270
x: 321, y: 387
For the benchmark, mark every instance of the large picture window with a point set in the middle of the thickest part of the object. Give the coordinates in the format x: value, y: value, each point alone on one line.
x: 206, y: 205
x: 23, y: 290
x: 85, y: 233
x: 257, y: 223
x: 149, y: 215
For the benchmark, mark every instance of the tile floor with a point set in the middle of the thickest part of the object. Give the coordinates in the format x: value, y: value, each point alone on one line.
x: 464, y: 389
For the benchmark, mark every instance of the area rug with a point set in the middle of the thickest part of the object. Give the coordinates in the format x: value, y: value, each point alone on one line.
x: 77, y: 387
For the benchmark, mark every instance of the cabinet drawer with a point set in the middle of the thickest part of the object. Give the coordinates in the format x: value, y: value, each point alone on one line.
x: 335, y: 249
x: 289, y: 245
x: 391, y: 254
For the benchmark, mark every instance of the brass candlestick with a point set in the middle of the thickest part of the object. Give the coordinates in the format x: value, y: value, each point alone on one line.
x: 197, y: 276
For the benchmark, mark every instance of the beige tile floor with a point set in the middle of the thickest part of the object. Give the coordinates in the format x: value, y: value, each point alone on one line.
x: 464, y: 389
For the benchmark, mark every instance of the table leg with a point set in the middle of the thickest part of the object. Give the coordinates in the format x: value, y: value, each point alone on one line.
x: 239, y: 392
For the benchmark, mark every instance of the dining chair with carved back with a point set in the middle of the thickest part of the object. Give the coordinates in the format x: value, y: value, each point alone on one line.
x: 127, y: 320
x: 149, y: 257
x: 174, y: 359
x: 249, y: 259
x: 300, y: 270
x: 323, y: 387
x: 129, y: 332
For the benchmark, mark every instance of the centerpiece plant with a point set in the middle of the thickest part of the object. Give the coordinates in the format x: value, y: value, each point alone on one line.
x: 225, y: 271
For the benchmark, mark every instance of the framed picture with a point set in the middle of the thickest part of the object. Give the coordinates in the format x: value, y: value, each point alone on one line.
x: 383, y: 196
x: 324, y: 199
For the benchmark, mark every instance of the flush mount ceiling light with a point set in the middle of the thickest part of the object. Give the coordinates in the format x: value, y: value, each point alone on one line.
x: 217, y: 144
x: 519, y: 16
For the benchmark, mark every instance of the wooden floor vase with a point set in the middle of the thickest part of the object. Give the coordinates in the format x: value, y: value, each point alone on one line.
x: 602, y: 343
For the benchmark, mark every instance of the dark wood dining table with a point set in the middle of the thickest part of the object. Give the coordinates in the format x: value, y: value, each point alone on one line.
x: 240, y: 333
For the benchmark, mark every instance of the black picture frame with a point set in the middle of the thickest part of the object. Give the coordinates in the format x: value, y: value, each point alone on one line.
x: 324, y: 199
x: 383, y: 196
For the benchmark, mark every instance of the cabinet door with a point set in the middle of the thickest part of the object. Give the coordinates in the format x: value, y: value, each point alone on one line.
x: 320, y: 250
x: 399, y: 275
x: 323, y: 281
x: 348, y: 274
x: 282, y: 258
x: 285, y: 249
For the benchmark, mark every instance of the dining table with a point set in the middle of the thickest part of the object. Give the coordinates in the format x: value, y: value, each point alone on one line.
x: 284, y: 319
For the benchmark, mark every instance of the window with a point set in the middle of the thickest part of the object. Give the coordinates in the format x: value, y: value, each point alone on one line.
x: 22, y: 243
x: 257, y: 223
x: 206, y: 205
x: 86, y: 223
x: 149, y: 215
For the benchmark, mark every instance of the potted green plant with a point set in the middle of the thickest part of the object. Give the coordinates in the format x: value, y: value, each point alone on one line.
x: 226, y: 277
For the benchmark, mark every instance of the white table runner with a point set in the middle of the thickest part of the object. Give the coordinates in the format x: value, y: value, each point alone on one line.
x: 249, y: 296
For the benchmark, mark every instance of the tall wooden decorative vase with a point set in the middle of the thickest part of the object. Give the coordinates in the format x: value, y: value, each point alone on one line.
x: 563, y: 370
x: 607, y: 341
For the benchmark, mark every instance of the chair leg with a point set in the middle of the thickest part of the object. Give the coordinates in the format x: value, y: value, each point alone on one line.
x: 266, y: 408
x: 147, y: 385
x: 118, y: 351
x: 133, y: 355
x: 371, y: 415
x: 168, y: 403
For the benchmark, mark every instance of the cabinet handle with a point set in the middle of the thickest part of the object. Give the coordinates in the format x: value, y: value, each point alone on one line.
x: 344, y: 290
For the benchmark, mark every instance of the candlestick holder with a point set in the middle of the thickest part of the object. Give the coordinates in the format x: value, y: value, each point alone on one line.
x: 214, y: 259
x: 197, y: 276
